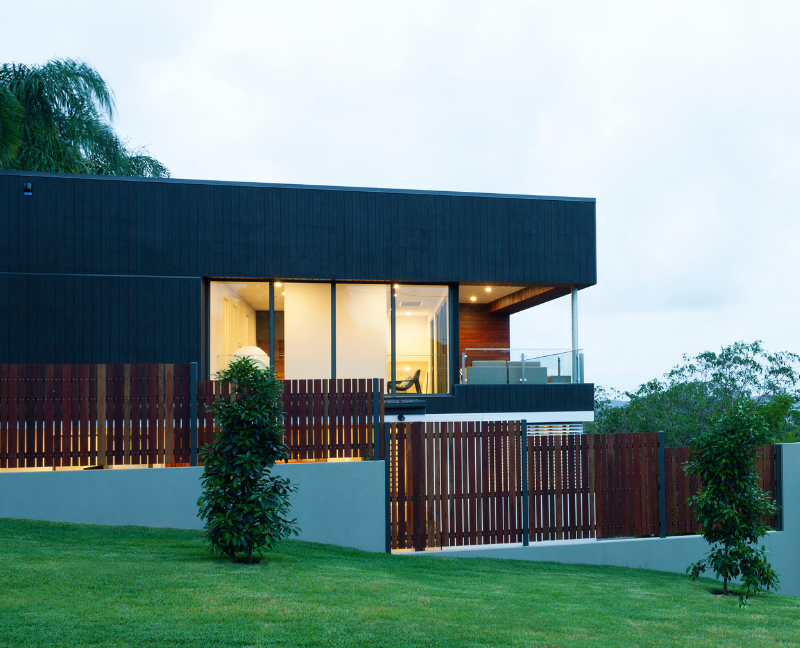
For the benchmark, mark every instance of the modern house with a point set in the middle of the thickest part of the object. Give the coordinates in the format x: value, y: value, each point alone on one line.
x: 413, y: 287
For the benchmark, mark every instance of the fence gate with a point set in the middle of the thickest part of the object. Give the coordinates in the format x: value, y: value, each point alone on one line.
x: 455, y: 484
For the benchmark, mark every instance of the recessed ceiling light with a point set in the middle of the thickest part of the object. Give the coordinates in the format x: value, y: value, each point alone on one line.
x: 408, y: 312
x: 283, y: 293
x: 488, y: 289
x: 408, y: 368
x: 278, y: 284
x: 473, y: 298
x: 397, y: 285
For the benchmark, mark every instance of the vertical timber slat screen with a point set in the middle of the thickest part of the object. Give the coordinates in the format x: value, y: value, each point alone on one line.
x: 455, y: 484
x: 460, y: 483
x: 58, y: 416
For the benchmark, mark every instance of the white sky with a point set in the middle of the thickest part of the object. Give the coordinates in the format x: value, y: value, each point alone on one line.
x: 681, y: 119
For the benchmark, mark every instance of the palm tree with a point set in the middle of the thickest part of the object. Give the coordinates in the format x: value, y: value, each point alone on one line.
x: 11, y: 115
x: 56, y: 117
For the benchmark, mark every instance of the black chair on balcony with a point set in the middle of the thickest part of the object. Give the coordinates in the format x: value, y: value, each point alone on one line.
x: 407, y: 383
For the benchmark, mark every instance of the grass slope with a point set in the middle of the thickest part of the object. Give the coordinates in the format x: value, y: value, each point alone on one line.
x: 83, y: 585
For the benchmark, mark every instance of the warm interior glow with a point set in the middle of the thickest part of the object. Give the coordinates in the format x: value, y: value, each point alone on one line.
x: 473, y: 298
x: 278, y: 284
x: 488, y: 289
x: 397, y: 285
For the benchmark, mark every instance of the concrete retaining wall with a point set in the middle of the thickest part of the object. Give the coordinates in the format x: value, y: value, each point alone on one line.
x: 343, y: 504
x: 671, y: 554
x: 338, y: 503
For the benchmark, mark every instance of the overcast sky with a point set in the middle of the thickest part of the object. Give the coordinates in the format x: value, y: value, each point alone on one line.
x: 680, y: 119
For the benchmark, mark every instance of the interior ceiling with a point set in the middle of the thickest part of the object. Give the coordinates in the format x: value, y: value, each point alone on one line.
x: 256, y: 293
x: 482, y: 295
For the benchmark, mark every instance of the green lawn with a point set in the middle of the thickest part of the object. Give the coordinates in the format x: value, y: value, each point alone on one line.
x: 82, y: 585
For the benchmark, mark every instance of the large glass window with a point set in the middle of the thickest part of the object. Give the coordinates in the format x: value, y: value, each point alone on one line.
x: 238, y: 311
x: 363, y: 330
x: 240, y: 325
x: 422, y: 339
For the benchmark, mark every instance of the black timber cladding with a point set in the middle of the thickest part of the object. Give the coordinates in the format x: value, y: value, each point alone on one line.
x: 102, y: 269
x: 103, y: 225
x: 513, y: 398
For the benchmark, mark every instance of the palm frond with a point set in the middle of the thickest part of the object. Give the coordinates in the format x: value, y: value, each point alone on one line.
x: 65, y: 125
x: 12, y: 115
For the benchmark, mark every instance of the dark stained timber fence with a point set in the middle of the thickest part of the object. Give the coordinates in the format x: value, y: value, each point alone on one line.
x: 625, y: 483
x: 559, y: 481
x: 95, y: 415
x: 460, y: 483
x: 323, y: 419
x: 455, y: 484
x: 89, y: 415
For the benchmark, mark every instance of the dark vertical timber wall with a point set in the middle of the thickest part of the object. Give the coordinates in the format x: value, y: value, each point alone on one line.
x: 71, y: 319
x: 97, y: 269
x: 174, y: 228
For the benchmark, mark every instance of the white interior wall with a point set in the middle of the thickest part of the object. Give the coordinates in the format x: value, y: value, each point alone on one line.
x: 413, y: 348
x: 231, y: 332
x: 362, y: 331
x: 307, y: 330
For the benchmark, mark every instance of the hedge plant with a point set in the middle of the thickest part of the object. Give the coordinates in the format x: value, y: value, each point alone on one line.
x: 244, y: 506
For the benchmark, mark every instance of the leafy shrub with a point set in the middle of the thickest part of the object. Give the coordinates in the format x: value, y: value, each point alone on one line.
x: 244, y: 506
x: 730, y: 506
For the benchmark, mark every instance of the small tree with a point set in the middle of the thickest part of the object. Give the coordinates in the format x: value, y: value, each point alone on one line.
x: 730, y: 506
x: 244, y: 506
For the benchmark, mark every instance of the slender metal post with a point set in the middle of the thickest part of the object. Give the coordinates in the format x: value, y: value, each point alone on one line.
x: 272, y: 325
x: 333, y: 331
x: 388, y: 461
x: 574, y: 333
x: 193, y: 414
x: 394, y: 344
x: 522, y: 358
x: 662, y: 488
x: 464, y: 367
x: 376, y: 419
x: 525, y: 494
x: 779, y: 485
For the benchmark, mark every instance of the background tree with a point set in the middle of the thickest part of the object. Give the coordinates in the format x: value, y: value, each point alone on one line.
x: 730, y: 506
x: 245, y: 507
x: 56, y: 117
x: 11, y: 116
x: 693, y: 393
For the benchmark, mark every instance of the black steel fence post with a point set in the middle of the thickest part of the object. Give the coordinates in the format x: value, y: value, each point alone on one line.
x: 193, y: 414
x: 525, y: 493
x: 387, y: 458
x: 376, y: 419
x: 662, y: 487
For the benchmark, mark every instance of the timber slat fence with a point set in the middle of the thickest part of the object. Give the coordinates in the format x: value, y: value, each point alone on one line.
x: 135, y: 414
x: 461, y: 483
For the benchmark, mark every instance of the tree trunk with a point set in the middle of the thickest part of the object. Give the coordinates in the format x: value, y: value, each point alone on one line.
x: 724, y: 585
x: 250, y: 555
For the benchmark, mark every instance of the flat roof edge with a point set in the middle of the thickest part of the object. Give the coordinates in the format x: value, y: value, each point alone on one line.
x: 40, y: 174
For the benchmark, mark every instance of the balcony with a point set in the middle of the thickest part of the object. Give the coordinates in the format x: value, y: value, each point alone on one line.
x: 495, y: 366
